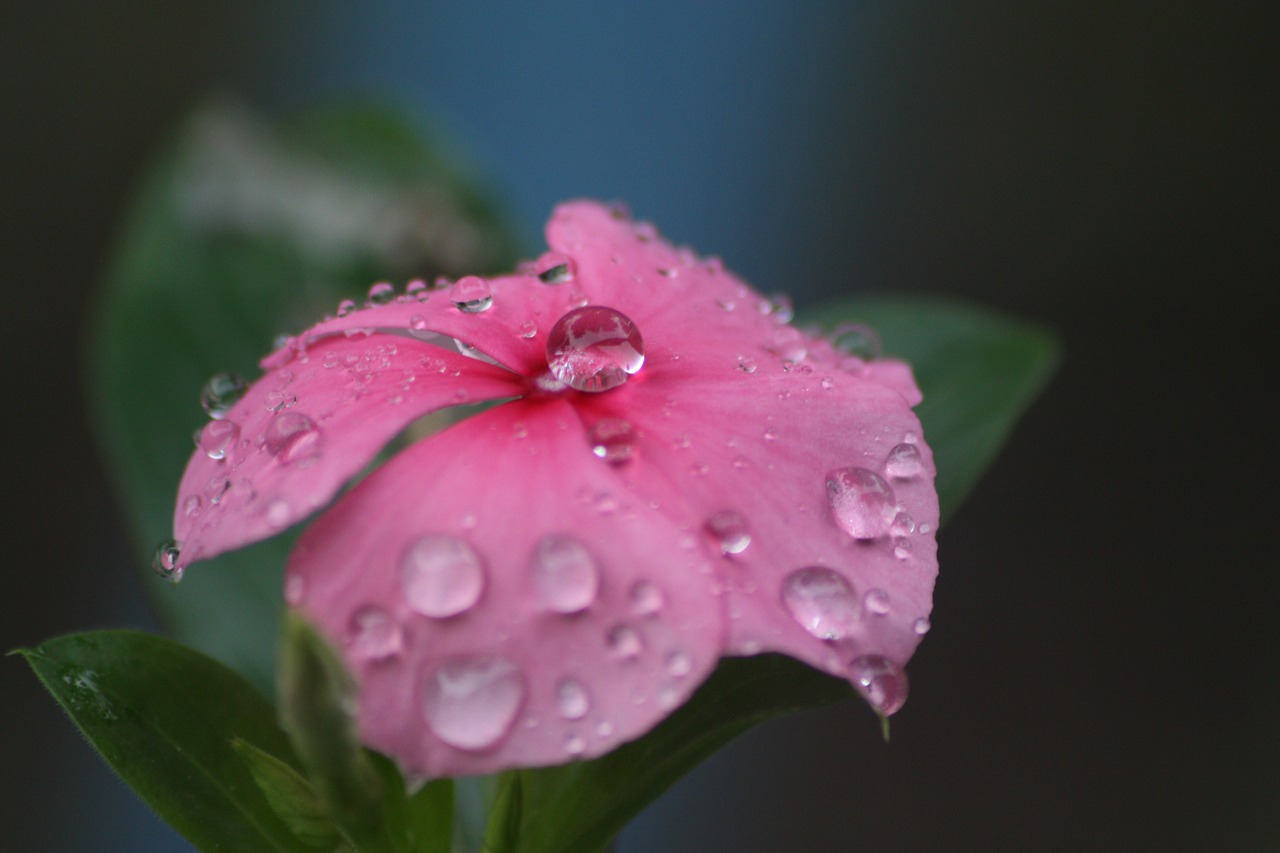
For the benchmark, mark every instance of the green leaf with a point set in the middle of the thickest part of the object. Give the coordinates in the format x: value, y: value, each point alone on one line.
x: 241, y: 231
x: 503, y: 832
x: 317, y: 696
x: 166, y: 718
x: 978, y: 370
x: 292, y: 797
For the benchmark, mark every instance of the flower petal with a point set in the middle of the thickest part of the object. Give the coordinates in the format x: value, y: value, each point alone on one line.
x: 502, y: 603
x: 310, y: 424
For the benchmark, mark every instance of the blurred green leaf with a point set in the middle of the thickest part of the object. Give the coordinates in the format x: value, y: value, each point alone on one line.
x: 241, y: 231
x: 167, y: 719
x: 293, y: 799
x: 978, y: 369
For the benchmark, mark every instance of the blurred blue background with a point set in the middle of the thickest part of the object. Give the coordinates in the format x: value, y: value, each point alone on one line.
x: 1101, y: 670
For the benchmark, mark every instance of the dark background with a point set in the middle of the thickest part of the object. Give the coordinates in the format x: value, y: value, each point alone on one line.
x: 1102, y: 669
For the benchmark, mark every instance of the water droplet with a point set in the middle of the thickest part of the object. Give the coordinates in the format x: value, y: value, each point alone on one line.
x: 858, y: 340
x: 565, y: 574
x: 441, y: 576
x: 555, y: 268
x: 729, y: 530
x: 781, y: 308
x: 417, y: 289
x: 903, y: 461
x: 292, y: 437
x: 167, y: 561
x: 822, y: 601
x: 828, y: 383
x: 217, y: 437
x: 921, y: 626
x: 346, y: 306
x: 216, y: 488
x: 876, y: 602
x: 373, y: 634
x: 727, y: 305
x: 613, y: 440
x: 471, y: 294
x: 746, y: 364
x: 471, y: 703
x: 278, y: 513
x: 191, y: 505
x: 572, y: 699
x: 903, y: 525
x: 646, y: 599
x: 417, y: 323
x: 789, y: 344
x: 220, y: 393
x: 277, y: 400
x: 604, y: 728
x: 381, y: 293
x: 925, y: 527
x: 880, y: 681
x: 528, y: 330
x: 574, y: 744
x: 668, y: 697
x: 594, y: 348
x: 624, y: 643
x: 863, y: 503
x: 679, y: 664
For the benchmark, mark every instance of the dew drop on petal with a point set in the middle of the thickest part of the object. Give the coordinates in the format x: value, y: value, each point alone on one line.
x: 292, y: 437
x: 441, y: 576
x: 417, y: 323
x: 555, y: 268
x: 594, y: 348
x: 574, y: 744
x: 216, y: 488
x: 679, y: 664
x: 646, y: 599
x: 863, y: 503
x: 471, y: 703
x: 374, y: 634
x: 217, y: 437
x: 220, y: 393
x: 345, y: 307
x: 528, y: 330
x: 880, y: 681
x: 822, y: 601
x: 624, y: 643
x: 417, y: 289
x: 381, y: 293
x: 729, y: 530
x: 613, y: 440
x: 921, y: 626
x: 858, y: 340
x: 192, y: 505
x: 572, y: 699
x: 471, y: 294
x: 903, y: 461
x: 903, y: 525
x: 278, y: 513
x: 746, y: 364
x: 167, y: 561
x: 876, y: 602
x: 565, y: 574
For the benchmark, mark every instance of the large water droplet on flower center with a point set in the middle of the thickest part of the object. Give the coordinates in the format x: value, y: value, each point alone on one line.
x: 292, y: 437
x: 441, y: 576
x: 471, y: 703
x: 863, y: 503
x: 564, y: 574
x: 880, y: 681
x: 594, y: 348
x: 822, y: 601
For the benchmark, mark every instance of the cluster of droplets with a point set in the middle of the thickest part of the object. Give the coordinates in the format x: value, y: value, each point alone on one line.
x: 472, y: 702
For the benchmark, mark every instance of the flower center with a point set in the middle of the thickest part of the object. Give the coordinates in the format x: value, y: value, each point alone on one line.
x: 594, y: 348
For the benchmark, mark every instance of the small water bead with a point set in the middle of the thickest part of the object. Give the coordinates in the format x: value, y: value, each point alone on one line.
x: 903, y: 525
x: 729, y: 530
x: 613, y: 440
x: 594, y: 348
x: 921, y: 626
x: 277, y: 400
x: 624, y: 643
x: 822, y: 601
x: 381, y: 293
x: 471, y: 703
x: 417, y: 323
x: 880, y: 681
x: 292, y: 437
x: 278, y: 513
x: 417, y: 289
x: 555, y: 268
x: 876, y: 602
x: 604, y: 728
x: 746, y: 364
x: 902, y: 549
x: 574, y: 744
x: 572, y: 699
x: 471, y: 294
x: 828, y: 383
x: 373, y: 634
x: 903, y: 461
x: 220, y: 393
x: 862, y: 502
x: 679, y: 664
x: 528, y: 330
x: 167, y: 561
x: 789, y: 344
x: 781, y: 308
x: 646, y: 599
x: 346, y: 306
x: 191, y: 505
x: 217, y: 437
x: 858, y: 340
x: 441, y: 576
x: 216, y: 488
x: 565, y: 575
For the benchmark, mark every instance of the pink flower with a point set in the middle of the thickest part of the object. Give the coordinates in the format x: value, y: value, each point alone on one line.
x: 674, y: 474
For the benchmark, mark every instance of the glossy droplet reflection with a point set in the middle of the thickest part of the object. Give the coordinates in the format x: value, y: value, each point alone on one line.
x: 441, y: 576
x: 903, y: 461
x: 471, y: 294
x: 374, y: 634
x: 166, y: 561
x: 729, y: 530
x: 471, y: 703
x: 565, y: 574
x: 613, y: 440
x: 594, y: 348
x: 220, y: 393
x: 862, y: 502
x: 572, y: 699
x: 822, y: 601
x: 880, y: 681
x: 219, y: 436
x: 292, y: 437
